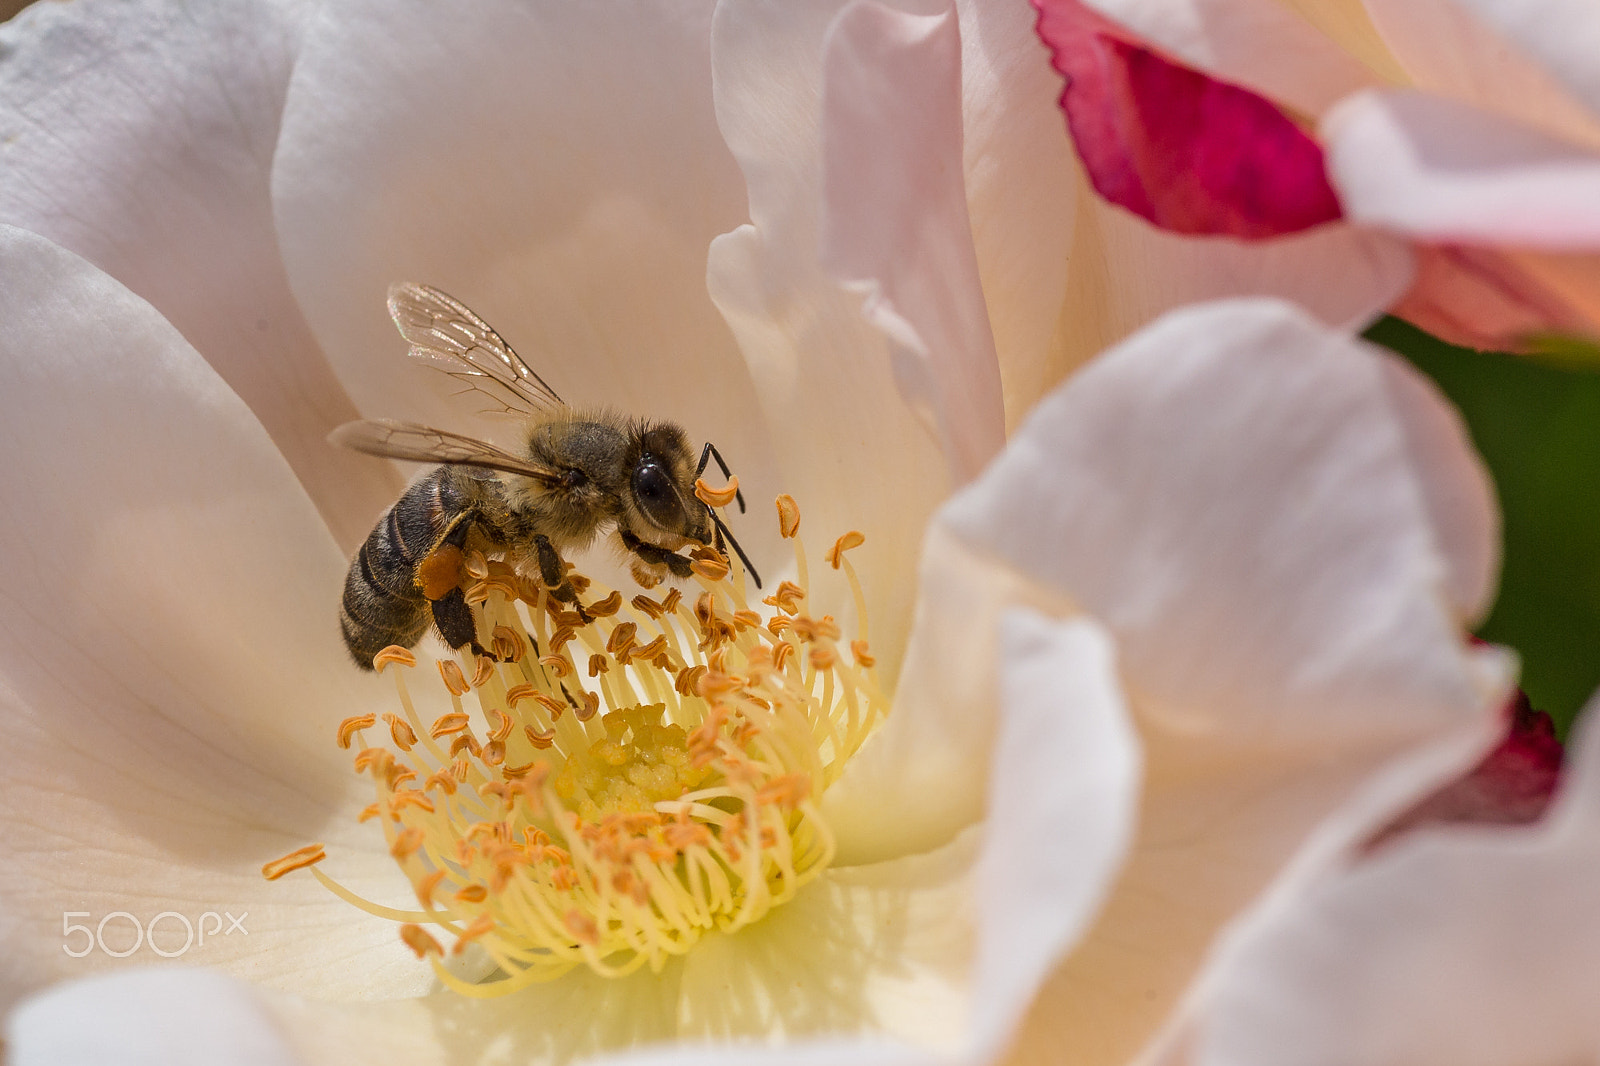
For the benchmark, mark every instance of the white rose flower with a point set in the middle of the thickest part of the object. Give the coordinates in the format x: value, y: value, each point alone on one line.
x: 1238, y: 552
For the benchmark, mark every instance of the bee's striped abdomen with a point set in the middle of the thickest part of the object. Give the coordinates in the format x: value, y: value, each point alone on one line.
x: 382, y: 604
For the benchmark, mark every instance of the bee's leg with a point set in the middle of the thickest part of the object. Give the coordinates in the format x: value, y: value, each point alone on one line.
x: 454, y: 620
x: 553, y: 572
x: 655, y: 556
x: 451, y: 615
x: 705, y: 456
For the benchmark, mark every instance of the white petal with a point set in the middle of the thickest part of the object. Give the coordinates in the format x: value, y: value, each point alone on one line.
x: 140, y: 136
x: 1562, y: 35
x: 1062, y: 807
x: 1445, y: 48
x: 852, y: 452
x: 1461, y: 946
x: 1233, y: 495
x: 557, y: 168
x: 171, y: 1018
x: 1022, y: 192
x: 922, y: 774
x: 1439, y: 170
x: 895, y: 225
x: 1126, y: 273
x: 171, y: 673
x: 1263, y: 45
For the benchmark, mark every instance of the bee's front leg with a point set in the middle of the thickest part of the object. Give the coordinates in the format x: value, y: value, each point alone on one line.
x: 656, y: 556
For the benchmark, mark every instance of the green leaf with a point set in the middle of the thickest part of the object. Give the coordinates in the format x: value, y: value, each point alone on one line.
x: 1537, y: 425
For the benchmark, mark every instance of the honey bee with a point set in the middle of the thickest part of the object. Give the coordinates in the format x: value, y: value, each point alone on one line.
x: 580, y: 473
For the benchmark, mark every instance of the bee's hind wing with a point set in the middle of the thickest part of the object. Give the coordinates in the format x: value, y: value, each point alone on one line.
x: 425, y: 444
x: 445, y: 334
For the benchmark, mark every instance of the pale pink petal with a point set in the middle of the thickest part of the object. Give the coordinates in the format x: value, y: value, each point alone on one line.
x: 1232, y: 494
x: 1304, y: 56
x: 1442, y: 171
x: 557, y: 168
x: 1460, y: 945
x: 1125, y: 273
x: 171, y: 1018
x: 140, y: 136
x: 1496, y: 299
x: 894, y: 220
x: 1175, y: 146
x: 172, y: 673
x: 851, y: 450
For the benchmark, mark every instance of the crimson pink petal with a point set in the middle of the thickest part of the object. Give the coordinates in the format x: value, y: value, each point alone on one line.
x: 1185, y: 151
x: 1513, y: 785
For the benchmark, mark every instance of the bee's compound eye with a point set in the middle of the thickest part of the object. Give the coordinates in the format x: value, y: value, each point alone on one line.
x: 656, y: 496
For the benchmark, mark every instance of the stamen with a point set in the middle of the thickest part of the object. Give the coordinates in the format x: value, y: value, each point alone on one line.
x: 296, y: 860
x: 788, y: 516
x: 717, y: 497
x: 610, y: 817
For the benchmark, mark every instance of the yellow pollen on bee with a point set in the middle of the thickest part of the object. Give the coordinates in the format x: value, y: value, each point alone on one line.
x: 609, y: 821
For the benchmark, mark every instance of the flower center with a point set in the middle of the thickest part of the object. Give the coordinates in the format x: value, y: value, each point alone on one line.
x: 620, y: 777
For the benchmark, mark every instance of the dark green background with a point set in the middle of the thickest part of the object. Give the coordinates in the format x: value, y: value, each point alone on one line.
x: 1538, y: 427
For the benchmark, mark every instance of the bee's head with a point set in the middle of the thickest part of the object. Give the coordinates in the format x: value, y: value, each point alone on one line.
x: 660, y: 506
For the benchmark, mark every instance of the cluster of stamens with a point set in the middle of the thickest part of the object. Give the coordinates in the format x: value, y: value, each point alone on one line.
x: 618, y: 777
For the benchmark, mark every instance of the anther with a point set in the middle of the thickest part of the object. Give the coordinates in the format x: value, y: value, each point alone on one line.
x: 297, y: 859
x: 508, y: 644
x: 480, y: 925
x: 858, y: 648
x: 852, y: 539
x: 419, y: 940
x: 400, y: 732
x: 788, y: 516
x: 426, y: 887
x: 394, y: 653
x: 710, y: 569
x: 407, y: 843
x: 454, y: 679
x: 607, y: 607
x: 350, y: 726
x: 787, y: 598
x: 503, y: 724
x: 717, y: 497
x: 484, y: 671
x: 445, y: 724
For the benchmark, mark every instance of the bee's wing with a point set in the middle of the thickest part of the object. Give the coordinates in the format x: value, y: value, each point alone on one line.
x: 445, y: 334
x: 424, y: 444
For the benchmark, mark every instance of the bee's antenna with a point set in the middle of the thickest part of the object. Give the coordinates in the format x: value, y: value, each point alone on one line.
x: 722, y: 533
x: 708, y: 453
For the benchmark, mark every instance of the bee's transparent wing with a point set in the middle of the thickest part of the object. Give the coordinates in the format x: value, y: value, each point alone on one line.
x: 424, y: 444
x: 445, y: 334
